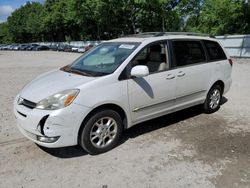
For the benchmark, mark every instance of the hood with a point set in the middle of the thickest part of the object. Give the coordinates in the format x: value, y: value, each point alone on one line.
x: 52, y: 82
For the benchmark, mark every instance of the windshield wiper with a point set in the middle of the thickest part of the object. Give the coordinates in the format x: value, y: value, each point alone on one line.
x: 69, y: 69
x: 77, y: 71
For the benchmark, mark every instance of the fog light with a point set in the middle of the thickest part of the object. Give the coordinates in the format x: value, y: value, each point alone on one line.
x: 47, y: 139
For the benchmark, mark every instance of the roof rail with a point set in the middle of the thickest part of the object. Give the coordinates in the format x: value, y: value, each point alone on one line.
x: 158, y: 34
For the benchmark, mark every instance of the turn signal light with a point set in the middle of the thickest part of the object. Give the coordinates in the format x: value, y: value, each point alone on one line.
x: 69, y: 100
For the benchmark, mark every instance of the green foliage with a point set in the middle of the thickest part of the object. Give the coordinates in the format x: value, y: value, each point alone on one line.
x: 4, y: 34
x: 246, y: 19
x: 66, y: 20
x: 58, y: 20
x: 219, y: 17
x: 24, y: 24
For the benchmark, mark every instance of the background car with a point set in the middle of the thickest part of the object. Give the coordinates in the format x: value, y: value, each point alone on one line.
x: 54, y: 47
x: 81, y: 49
x: 87, y: 48
x: 64, y: 48
x: 23, y: 46
x: 74, y: 49
x: 31, y: 47
x: 41, y: 47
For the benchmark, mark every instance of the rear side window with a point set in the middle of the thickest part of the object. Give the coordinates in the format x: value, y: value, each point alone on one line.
x: 188, y: 52
x: 214, y: 50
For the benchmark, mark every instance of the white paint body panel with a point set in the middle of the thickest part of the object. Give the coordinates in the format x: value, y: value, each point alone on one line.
x: 51, y: 83
x: 151, y: 95
x: 193, y: 85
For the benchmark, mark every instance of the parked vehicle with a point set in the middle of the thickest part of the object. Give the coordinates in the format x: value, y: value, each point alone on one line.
x: 54, y: 47
x: 24, y: 46
x: 6, y: 47
x: 74, y: 49
x: 81, y: 49
x: 41, y: 48
x: 64, y: 48
x: 120, y: 83
x: 88, y: 47
x: 68, y: 48
x: 16, y: 47
x: 2, y: 46
x: 12, y: 47
x: 32, y: 47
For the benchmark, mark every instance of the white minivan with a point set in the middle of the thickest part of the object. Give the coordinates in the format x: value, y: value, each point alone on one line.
x: 120, y: 83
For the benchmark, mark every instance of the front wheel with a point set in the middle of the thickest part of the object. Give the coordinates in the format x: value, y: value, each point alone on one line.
x: 213, y: 100
x: 101, y: 132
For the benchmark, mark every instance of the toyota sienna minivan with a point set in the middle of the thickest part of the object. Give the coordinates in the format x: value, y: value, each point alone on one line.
x: 120, y: 83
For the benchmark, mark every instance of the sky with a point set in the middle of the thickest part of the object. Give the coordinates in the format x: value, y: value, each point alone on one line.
x: 8, y: 6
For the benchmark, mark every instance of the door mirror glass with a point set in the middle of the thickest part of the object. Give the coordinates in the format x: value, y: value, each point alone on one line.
x: 139, y: 71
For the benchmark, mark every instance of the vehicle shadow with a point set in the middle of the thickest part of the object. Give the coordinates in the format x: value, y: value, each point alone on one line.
x: 163, y: 121
x: 65, y: 152
x: 137, y: 130
x: 223, y: 100
x: 158, y: 123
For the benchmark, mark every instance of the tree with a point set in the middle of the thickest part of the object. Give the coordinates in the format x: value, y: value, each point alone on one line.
x: 88, y: 18
x: 66, y: 20
x: 246, y: 11
x: 5, y: 37
x: 24, y: 24
x: 159, y: 15
x: 219, y: 17
x: 59, y: 21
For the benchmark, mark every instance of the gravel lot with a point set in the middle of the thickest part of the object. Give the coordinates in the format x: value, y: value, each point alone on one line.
x: 184, y: 149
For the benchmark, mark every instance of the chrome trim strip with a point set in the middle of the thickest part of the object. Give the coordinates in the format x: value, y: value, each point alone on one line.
x: 140, y: 108
x: 191, y: 94
x: 143, y: 107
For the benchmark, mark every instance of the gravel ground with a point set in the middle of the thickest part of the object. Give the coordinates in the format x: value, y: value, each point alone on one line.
x: 184, y: 149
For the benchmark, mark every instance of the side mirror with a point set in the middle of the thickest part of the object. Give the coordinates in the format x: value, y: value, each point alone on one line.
x: 139, y: 71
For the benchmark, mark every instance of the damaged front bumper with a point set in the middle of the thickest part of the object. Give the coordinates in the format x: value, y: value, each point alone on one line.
x: 50, y: 128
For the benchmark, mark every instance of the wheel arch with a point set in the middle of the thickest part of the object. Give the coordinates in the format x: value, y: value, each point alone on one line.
x: 110, y: 106
x: 220, y: 83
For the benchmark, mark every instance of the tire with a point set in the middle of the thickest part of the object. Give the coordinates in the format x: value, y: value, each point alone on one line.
x: 101, y: 132
x: 213, y: 100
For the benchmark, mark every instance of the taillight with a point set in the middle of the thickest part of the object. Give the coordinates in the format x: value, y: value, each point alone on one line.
x: 230, y: 61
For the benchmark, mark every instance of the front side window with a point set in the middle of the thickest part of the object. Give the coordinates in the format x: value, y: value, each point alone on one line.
x: 188, y: 52
x: 153, y: 56
x: 214, y: 50
x: 104, y: 59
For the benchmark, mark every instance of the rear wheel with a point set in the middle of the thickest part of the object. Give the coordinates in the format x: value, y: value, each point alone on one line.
x: 101, y: 132
x: 213, y: 100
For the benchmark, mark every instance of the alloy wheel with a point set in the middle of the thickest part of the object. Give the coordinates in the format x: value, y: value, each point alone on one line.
x: 103, y: 132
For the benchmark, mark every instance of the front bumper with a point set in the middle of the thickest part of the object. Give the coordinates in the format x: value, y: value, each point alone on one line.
x: 50, y: 128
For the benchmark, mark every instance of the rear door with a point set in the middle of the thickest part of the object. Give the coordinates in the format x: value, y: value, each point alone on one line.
x: 193, y: 72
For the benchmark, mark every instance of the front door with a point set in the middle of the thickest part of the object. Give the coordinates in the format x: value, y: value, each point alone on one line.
x: 152, y: 95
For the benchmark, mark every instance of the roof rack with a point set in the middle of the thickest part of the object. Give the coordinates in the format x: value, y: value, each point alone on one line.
x: 158, y: 34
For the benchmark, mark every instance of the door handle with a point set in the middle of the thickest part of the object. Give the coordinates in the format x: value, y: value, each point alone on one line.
x: 180, y: 74
x: 170, y: 77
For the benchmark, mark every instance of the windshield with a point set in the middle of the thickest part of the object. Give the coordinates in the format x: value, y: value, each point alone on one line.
x: 104, y: 59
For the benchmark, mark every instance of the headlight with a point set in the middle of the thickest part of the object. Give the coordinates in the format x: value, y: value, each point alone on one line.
x: 58, y: 100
